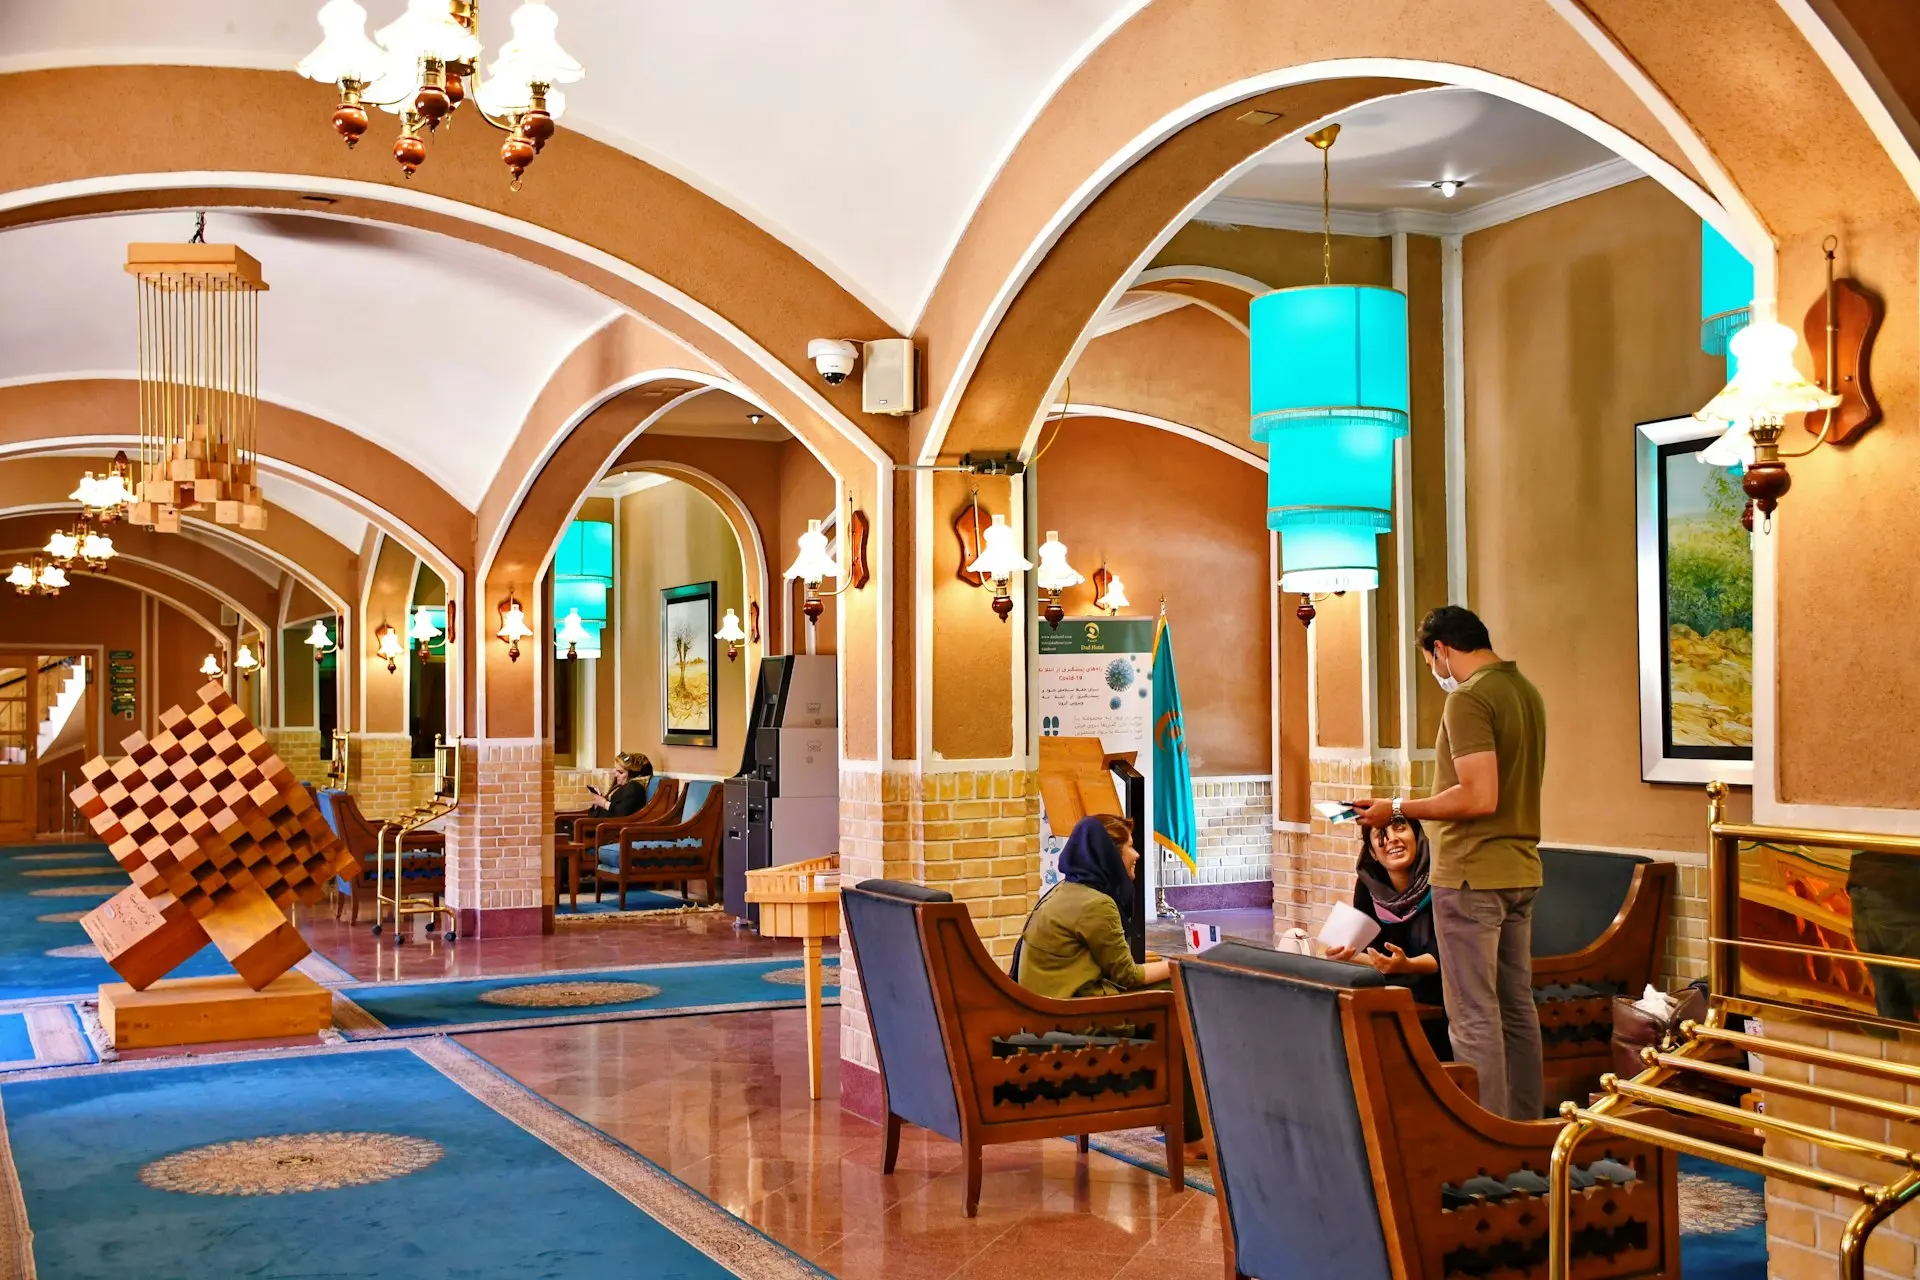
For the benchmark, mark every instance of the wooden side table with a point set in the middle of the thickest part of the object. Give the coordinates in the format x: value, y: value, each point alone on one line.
x: 802, y: 900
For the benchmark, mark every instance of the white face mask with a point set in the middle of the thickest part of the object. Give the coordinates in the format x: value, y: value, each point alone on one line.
x: 1446, y: 682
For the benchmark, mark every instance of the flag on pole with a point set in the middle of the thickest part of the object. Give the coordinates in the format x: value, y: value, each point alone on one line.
x: 1173, y: 824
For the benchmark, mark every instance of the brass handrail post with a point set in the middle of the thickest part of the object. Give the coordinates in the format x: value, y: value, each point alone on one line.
x: 1859, y: 1228
x: 1560, y: 1195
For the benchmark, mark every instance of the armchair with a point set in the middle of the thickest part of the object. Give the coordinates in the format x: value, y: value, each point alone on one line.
x: 423, y: 854
x: 1343, y: 1149
x: 666, y: 852
x: 578, y: 836
x: 970, y: 1055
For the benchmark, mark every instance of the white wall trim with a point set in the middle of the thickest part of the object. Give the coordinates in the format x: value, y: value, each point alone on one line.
x: 1080, y: 409
x: 1453, y: 330
x: 1138, y: 308
x: 1407, y: 708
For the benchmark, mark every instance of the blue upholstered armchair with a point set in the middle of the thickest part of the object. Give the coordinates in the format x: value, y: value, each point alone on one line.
x: 1344, y: 1150
x: 970, y: 1055
x: 423, y: 856
x: 673, y: 852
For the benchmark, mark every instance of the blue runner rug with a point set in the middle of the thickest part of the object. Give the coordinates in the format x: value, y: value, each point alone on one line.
x: 362, y: 1161
x: 371, y: 1011
x: 44, y: 953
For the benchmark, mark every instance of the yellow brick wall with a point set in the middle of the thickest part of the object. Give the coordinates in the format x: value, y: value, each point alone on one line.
x: 380, y: 774
x: 299, y: 750
x: 500, y: 839
x: 973, y: 833
x: 1313, y: 871
x: 570, y: 786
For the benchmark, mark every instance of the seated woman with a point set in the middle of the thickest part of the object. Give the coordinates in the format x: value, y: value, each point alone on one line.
x: 1075, y: 942
x: 632, y: 780
x: 1391, y: 886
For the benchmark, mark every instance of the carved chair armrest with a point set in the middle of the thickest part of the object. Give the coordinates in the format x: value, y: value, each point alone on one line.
x: 1466, y: 1076
x: 567, y: 820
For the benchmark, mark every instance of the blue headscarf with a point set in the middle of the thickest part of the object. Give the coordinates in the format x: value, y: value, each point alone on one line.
x: 1090, y: 857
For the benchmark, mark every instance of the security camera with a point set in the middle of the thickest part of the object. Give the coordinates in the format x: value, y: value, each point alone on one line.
x: 833, y: 358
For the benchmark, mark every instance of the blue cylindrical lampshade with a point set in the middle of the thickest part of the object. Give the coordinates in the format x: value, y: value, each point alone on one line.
x: 1726, y: 293
x: 1329, y: 391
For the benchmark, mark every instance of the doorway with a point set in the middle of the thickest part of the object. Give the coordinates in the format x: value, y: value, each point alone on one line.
x: 48, y: 730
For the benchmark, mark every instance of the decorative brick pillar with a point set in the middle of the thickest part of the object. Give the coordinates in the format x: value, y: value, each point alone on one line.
x: 1803, y: 1225
x: 1686, y: 953
x: 570, y: 786
x: 299, y: 749
x: 380, y: 774
x: 500, y: 839
x: 973, y: 833
x: 1310, y: 874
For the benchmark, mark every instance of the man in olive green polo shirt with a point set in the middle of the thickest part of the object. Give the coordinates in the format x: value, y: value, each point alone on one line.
x: 1484, y: 822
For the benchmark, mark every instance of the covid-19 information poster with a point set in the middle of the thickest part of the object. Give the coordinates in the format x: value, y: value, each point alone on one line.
x: 1095, y: 680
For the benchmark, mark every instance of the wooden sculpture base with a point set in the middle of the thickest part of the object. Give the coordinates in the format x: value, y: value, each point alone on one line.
x: 208, y: 1010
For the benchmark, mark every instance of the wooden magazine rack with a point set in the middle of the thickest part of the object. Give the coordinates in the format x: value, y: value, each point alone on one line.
x: 1784, y: 940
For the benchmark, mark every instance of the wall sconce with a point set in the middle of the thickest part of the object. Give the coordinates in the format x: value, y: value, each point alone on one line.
x: 997, y: 562
x: 1109, y: 592
x: 1055, y: 575
x: 575, y: 633
x: 319, y: 641
x: 513, y: 626
x: 423, y: 633
x: 386, y: 644
x: 813, y: 566
x: 37, y: 576
x: 1305, y: 610
x: 245, y: 663
x: 211, y: 668
x: 730, y: 632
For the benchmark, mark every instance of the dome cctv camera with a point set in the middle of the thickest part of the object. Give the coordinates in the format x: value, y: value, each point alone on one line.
x: 833, y: 358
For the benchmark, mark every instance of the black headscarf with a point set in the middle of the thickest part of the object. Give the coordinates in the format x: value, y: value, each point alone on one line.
x: 1090, y: 857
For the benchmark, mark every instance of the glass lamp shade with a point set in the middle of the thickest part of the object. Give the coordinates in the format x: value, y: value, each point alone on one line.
x: 87, y: 492
x: 507, y: 97
x: 244, y: 662
x: 813, y: 565
x: 572, y: 631
x: 1766, y: 385
x: 52, y: 578
x: 344, y: 52
x: 1055, y: 573
x: 318, y: 640
x: 110, y: 491
x: 428, y: 30
x: 999, y: 557
x: 1733, y: 449
x: 1726, y: 292
x: 387, y: 645
x: 63, y: 546
x: 531, y: 57
x: 1329, y: 392
x: 513, y: 624
x: 23, y: 578
x: 1116, y: 597
x: 730, y: 629
x: 96, y: 548
x: 422, y: 630
x: 211, y: 668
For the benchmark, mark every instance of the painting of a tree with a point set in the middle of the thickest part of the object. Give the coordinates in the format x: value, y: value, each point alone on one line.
x: 686, y: 665
x: 1709, y: 588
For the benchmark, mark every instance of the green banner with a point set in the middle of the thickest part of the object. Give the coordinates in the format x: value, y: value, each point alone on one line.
x: 1098, y: 635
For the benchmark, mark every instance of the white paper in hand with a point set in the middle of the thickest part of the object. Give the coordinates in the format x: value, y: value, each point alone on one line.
x: 1349, y: 928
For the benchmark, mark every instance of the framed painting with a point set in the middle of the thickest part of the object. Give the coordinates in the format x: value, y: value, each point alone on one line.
x: 689, y: 705
x: 1695, y: 610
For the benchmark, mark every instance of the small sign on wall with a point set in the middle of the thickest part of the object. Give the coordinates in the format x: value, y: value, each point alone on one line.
x: 122, y: 683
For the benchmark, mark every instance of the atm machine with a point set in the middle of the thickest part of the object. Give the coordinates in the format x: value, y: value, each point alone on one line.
x: 784, y: 805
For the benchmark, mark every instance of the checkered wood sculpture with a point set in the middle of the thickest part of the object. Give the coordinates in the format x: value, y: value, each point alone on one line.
x: 220, y: 840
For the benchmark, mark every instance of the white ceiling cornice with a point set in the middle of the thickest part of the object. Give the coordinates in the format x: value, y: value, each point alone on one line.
x: 1137, y: 308
x: 1233, y: 211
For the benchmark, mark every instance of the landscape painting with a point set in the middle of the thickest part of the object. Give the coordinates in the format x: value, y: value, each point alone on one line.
x: 1697, y: 645
x: 688, y: 708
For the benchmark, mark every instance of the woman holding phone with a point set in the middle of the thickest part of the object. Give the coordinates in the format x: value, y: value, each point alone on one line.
x: 632, y: 779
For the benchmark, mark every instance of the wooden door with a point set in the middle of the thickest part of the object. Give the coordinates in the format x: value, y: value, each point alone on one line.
x: 18, y: 722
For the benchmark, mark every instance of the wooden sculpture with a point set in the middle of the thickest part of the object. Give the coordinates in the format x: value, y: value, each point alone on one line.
x: 221, y: 841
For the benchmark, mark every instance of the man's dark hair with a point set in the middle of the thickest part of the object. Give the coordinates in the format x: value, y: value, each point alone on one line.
x: 1455, y: 627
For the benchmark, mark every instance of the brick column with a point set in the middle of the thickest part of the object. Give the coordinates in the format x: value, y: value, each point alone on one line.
x: 973, y: 833
x: 380, y: 774
x: 299, y: 749
x: 1312, y: 872
x: 500, y: 839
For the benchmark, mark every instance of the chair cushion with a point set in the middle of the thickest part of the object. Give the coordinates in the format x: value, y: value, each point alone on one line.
x: 1582, y: 890
x: 610, y: 853
x: 697, y: 792
x: 1330, y: 973
x: 905, y: 890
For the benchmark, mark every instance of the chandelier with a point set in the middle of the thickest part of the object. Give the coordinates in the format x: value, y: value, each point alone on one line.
x: 105, y: 498
x: 199, y: 383
x: 83, y: 545
x: 37, y: 576
x: 423, y: 65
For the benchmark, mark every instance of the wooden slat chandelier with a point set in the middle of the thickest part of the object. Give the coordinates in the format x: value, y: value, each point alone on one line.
x: 199, y: 384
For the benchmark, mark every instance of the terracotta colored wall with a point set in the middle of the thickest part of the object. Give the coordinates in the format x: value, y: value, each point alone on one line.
x: 671, y: 536
x: 1580, y: 321
x: 301, y: 684
x: 1176, y: 518
x: 1335, y: 638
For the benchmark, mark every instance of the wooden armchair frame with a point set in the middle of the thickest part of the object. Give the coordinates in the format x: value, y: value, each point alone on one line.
x: 670, y: 866
x: 1003, y: 1096
x: 1422, y: 1130
x: 1578, y: 1032
x: 422, y: 857
x: 583, y: 826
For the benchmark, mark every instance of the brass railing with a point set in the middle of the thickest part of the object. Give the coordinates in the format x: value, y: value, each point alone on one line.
x: 1638, y: 1107
x: 445, y: 799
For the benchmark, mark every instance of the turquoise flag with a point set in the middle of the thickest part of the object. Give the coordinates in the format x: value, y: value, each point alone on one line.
x: 1173, y: 825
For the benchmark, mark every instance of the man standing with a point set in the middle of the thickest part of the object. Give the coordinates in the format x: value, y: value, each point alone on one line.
x: 1484, y: 815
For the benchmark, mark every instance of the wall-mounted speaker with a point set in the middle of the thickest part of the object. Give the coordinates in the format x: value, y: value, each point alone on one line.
x: 887, y: 386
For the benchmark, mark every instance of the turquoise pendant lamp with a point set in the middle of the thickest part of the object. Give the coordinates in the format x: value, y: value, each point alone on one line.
x: 1726, y: 294
x: 582, y: 578
x: 1329, y: 393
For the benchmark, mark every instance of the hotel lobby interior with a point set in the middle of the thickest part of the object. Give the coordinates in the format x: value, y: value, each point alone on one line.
x: 589, y: 639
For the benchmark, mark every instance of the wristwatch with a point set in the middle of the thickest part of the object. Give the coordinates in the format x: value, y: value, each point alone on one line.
x: 1397, y: 815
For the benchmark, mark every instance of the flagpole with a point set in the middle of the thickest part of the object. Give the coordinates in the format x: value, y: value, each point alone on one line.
x: 1161, y: 907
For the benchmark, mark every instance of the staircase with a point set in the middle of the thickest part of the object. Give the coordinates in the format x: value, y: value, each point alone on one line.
x: 69, y: 687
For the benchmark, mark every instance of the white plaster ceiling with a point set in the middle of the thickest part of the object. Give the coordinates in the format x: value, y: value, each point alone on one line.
x: 1390, y: 152
x: 861, y: 132
x: 430, y: 347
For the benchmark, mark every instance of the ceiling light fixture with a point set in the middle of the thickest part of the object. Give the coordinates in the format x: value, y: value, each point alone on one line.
x: 83, y: 545
x: 37, y: 576
x: 105, y: 497
x: 1448, y: 187
x: 422, y: 66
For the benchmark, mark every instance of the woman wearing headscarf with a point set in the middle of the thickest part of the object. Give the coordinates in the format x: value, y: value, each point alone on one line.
x: 1075, y: 942
x: 1390, y: 885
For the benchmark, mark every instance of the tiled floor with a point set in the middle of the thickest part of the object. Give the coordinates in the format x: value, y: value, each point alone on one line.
x: 721, y: 1102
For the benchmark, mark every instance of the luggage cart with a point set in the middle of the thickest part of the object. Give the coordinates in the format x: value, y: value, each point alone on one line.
x: 393, y: 833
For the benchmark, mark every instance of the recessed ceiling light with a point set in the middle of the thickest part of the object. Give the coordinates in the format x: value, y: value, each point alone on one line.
x: 1258, y: 117
x: 1448, y: 187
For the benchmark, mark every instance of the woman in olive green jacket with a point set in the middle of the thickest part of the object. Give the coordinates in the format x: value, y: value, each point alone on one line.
x: 1075, y: 942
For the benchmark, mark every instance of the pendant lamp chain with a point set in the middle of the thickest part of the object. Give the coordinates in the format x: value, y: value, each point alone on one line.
x: 1323, y: 139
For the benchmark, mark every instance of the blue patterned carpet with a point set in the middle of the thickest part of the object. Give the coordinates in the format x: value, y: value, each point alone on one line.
x: 43, y: 891
x: 381, y: 1162
x: 378, y: 1010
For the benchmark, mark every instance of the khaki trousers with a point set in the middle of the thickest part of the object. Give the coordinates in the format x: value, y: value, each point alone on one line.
x: 1486, y: 968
